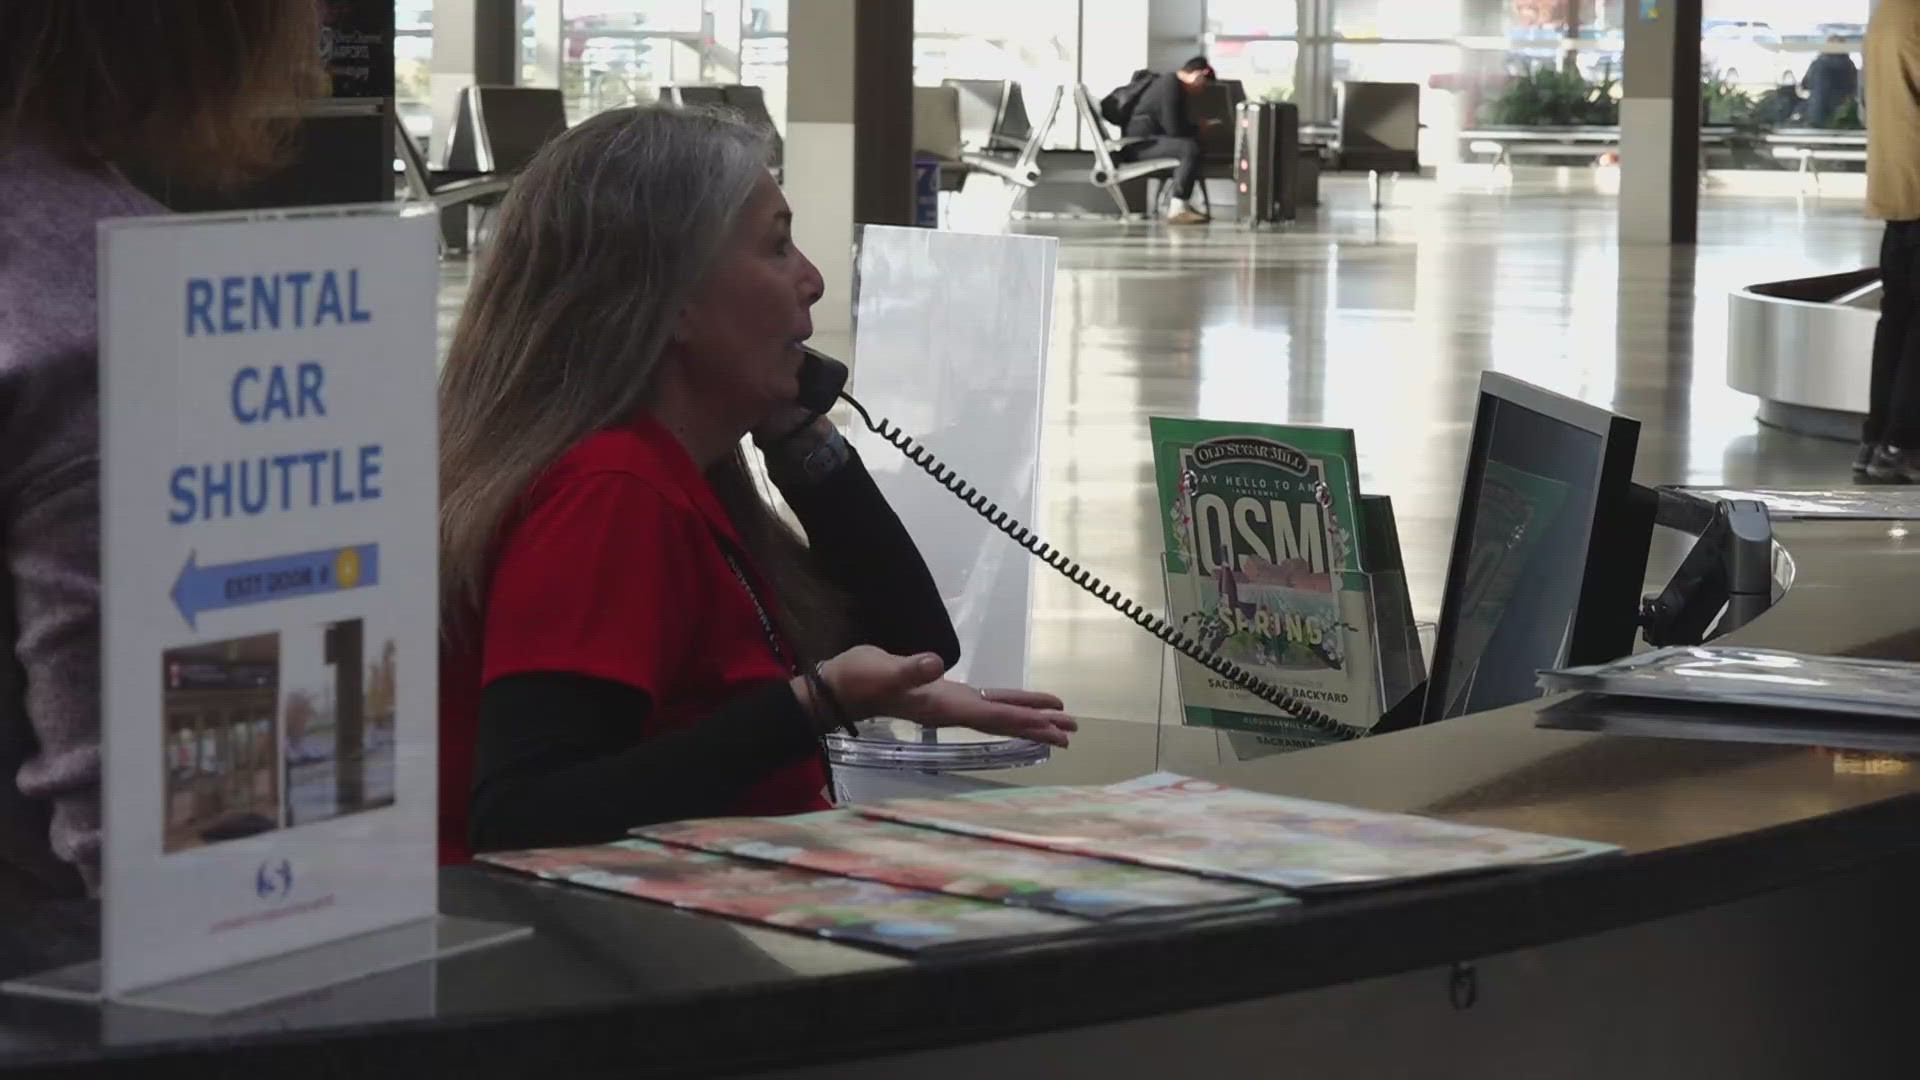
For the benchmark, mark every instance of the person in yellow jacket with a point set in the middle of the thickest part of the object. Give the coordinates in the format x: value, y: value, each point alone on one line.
x: 1890, y: 439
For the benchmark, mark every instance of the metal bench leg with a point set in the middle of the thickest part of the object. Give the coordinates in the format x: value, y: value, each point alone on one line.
x: 1120, y: 200
x: 1018, y: 199
x: 453, y: 229
x: 1373, y: 186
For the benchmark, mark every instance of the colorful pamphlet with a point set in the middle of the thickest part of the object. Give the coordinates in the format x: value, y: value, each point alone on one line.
x: 1264, y: 568
x: 1176, y: 823
x: 844, y: 843
x: 844, y: 909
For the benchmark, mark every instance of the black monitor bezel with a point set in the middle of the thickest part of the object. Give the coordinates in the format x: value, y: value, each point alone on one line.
x: 1590, y: 633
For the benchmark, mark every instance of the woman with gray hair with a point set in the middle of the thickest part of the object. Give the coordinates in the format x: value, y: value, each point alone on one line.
x: 631, y: 634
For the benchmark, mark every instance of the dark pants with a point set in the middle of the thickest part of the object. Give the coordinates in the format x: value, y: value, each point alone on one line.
x: 1823, y: 107
x: 1187, y: 150
x: 1893, y: 416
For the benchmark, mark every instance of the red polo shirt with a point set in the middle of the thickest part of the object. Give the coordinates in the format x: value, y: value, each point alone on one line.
x: 614, y: 569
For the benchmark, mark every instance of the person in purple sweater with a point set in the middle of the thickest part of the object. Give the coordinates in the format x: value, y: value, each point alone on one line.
x: 186, y: 96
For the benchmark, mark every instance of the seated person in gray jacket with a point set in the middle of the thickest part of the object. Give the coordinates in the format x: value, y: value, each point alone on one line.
x: 1162, y: 118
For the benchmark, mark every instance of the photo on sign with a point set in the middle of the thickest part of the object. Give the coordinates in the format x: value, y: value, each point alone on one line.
x: 337, y: 720
x: 220, y: 700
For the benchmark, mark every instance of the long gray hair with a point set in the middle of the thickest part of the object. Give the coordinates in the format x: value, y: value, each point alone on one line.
x: 599, y: 245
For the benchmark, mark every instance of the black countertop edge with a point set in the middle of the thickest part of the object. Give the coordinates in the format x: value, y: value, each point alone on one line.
x: 1133, y: 973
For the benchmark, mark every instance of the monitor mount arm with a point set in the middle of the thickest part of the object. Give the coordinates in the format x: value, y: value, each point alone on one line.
x: 1730, y: 567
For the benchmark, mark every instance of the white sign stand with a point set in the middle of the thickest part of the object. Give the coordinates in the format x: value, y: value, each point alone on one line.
x: 950, y: 343
x: 951, y: 334
x: 270, y: 638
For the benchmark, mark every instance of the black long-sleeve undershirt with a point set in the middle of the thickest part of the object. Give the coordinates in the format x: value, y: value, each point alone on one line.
x: 558, y: 757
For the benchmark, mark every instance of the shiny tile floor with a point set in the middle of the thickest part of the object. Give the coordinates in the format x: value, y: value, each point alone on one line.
x: 1383, y: 323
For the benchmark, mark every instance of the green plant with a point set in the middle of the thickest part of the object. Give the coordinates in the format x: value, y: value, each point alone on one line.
x: 1722, y: 102
x: 1548, y: 96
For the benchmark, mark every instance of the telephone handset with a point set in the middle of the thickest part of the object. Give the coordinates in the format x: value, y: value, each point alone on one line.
x: 823, y: 380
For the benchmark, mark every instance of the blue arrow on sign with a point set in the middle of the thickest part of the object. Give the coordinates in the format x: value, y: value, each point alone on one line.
x: 282, y: 577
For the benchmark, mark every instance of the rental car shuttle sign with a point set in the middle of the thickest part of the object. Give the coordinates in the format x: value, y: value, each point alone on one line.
x: 268, y: 584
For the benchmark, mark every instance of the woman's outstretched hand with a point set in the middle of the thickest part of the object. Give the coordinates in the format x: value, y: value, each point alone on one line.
x: 873, y: 682
x: 1020, y: 714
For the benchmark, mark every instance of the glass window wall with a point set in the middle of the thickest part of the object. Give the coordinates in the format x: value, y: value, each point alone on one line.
x: 412, y: 66
x: 1036, y: 43
x: 1781, y: 83
x: 1479, y: 63
x: 1463, y: 54
x: 613, y: 53
x: 1253, y: 18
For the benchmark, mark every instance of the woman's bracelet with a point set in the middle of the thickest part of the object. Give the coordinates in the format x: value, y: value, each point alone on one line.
x: 829, y: 701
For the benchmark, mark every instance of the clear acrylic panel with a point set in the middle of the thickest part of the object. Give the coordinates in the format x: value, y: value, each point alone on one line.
x: 285, y: 977
x: 950, y: 347
x: 950, y: 352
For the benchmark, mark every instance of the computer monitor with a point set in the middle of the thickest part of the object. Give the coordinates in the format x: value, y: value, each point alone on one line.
x: 1549, y: 553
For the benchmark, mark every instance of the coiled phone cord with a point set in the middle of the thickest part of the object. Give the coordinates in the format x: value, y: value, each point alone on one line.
x: 1140, y: 616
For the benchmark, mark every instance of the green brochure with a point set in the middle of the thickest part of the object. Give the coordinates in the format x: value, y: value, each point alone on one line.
x: 1263, y: 567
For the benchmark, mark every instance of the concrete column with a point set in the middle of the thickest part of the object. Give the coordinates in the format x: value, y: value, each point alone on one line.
x: 1313, y: 88
x: 849, y: 142
x: 1660, y: 124
x: 475, y: 43
x: 1177, y: 30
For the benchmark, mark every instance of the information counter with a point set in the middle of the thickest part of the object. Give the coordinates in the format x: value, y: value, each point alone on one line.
x: 1762, y: 922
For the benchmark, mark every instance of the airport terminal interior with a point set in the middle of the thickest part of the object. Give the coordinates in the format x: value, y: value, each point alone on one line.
x: 1469, y: 234
x: 1382, y: 322
x: 1379, y: 319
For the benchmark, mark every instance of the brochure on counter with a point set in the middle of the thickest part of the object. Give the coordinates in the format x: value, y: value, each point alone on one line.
x: 1263, y: 565
x: 1652, y: 718
x: 1769, y: 678
x: 1197, y: 827
x: 842, y: 842
x: 843, y: 909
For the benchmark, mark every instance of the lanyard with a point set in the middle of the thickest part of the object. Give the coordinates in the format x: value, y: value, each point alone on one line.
x: 766, y: 620
x: 836, y: 794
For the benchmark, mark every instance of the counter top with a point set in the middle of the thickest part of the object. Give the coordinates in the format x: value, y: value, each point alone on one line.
x: 612, y: 982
